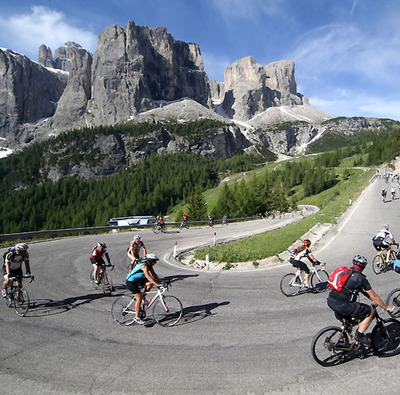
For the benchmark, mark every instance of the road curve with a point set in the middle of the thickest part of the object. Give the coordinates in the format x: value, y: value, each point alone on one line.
x: 239, y: 333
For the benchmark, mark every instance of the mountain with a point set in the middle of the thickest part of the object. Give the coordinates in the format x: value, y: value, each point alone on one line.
x: 143, y: 74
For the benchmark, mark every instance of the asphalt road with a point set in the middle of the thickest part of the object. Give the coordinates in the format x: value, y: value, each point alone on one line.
x: 239, y: 333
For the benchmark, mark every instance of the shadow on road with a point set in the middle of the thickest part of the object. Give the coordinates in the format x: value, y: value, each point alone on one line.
x: 44, y: 307
x: 199, y: 312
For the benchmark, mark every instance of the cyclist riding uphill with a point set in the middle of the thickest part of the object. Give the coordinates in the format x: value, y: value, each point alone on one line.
x: 300, y: 253
x: 344, y: 302
x: 134, y: 249
x: 142, y: 274
x: 379, y: 240
x: 12, y: 266
x: 96, y: 258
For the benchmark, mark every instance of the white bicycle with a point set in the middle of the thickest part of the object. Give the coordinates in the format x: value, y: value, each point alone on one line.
x: 293, y: 283
x: 167, y: 309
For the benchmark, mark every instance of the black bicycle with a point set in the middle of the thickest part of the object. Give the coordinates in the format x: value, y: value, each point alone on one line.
x: 334, y: 345
x: 104, y: 280
x: 18, y: 296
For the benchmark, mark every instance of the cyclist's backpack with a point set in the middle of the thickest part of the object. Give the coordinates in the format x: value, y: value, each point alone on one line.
x: 396, y: 265
x: 7, y: 252
x: 339, y: 277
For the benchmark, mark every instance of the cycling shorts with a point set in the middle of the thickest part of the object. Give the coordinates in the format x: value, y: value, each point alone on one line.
x: 380, y: 245
x: 13, y: 273
x: 134, y: 286
x: 354, y: 309
x: 94, y: 261
x: 301, y: 265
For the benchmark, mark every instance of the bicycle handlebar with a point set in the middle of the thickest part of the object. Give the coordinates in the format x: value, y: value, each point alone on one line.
x: 16, y: 278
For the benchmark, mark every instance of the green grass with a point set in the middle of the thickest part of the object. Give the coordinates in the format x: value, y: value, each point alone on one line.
x: 332, y: 202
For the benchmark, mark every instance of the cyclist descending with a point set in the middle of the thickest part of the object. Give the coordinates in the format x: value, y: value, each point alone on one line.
x: 142, y: 274
x: 134, y: 250
x: 301, y: 252
x: 345, y: 303
x: 383, y: 194
x: 12, y: 266
x: 380, y: 243
x: 96, y: 258
x: 393, y: 192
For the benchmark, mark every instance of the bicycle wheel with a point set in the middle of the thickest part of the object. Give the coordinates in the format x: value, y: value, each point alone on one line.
x: 377, y: 264
x: 156, y: 230
x: 319, y: 280
x: 393, y: 299
x: 330, y: 346
x: 120, y: 311
x: 290, y: 284
x: 21, y: 301
x: 385, y: 338
x: 167, y: 310
x: 107, y: 283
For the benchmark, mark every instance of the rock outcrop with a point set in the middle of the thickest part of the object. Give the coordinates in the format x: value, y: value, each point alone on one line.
x: 28, y: 93
x: 250, y: 88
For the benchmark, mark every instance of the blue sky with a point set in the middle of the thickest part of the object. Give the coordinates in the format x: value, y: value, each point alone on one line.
x: 347, y: 52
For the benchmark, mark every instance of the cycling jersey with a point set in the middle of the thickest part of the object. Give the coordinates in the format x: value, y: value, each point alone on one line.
x: 383, y: 234
x: 136, y: 245
x: 299, y: 256
x: 97, y: 254
x: 136, y: 274
x: 16, y: 260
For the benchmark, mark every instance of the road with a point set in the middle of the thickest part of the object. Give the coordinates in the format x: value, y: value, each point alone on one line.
x: 239, y: 333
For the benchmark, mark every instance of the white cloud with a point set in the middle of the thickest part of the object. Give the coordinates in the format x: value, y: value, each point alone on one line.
x: 26, y: 32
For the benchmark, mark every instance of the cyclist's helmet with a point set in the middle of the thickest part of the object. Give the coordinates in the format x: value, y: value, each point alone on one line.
x: 307, y: 242
x: 385, y: 226
x: 22, y: 247
x: 360, y: 261
x: 101, y: 244
x: 136, y: 238
x: 152, y: 257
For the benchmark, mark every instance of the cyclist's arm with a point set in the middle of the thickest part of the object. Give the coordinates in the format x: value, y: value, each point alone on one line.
x: 154, y: 274
x: 375, y: 298
x: 27, y: 266
x: 8, y: 268
x: 108, y: 258
x: 313, y: 259
x: 144, y: 250
x: 146, y: 272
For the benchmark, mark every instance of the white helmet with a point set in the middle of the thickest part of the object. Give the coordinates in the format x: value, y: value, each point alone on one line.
x: 21, y: 247
x: 136, y: 238
x: 151, y: 257
x: 385, y: 226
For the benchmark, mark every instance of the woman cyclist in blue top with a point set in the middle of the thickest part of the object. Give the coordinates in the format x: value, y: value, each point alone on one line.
x: 142, y: 274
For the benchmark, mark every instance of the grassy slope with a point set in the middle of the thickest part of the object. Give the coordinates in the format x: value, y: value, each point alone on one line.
x: 333, y: 203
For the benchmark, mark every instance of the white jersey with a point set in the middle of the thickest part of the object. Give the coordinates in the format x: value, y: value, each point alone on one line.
x: 383, y: 234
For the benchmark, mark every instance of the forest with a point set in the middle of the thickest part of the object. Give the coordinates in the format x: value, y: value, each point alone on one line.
x: 31, y: 201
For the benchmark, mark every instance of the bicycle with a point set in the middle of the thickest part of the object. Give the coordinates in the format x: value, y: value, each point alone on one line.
x: 380, y: 264
x: 183, y: 224
x: 104, y: 280
x: 18, y: 296
x: 394, y: 299
x: 293, y: 283
x: 334, y: 345
x: 167, y: 310
x: 159, y: 228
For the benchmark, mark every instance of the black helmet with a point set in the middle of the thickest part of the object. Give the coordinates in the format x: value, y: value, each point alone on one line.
x: 360, y: 261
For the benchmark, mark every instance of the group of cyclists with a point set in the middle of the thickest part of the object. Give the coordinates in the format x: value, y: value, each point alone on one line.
x: 141, y: 272
x: 345, y: 302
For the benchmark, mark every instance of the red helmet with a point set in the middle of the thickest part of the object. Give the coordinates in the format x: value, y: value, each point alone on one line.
x: 307, y: 242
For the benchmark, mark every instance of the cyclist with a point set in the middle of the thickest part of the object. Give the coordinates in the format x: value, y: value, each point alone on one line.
x: 210, y: 220
x: 96, y: 258
x: 142, y: 274
x: 185, y: 218
x: 301, y: 252
x: 380, y: 243
x: 12, y: 266
x: 160, y: 222
x: 383, y: 194
x: 393, y: 192
x: 345, y: 303
x: 134, y: 250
